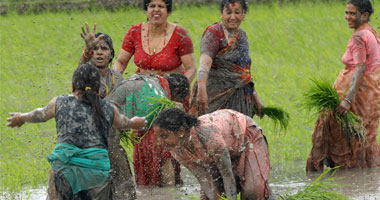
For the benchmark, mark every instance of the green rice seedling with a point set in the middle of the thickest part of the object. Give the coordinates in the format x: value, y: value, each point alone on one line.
x: 278, y: 115
x: 318, y: 189
x: 322, y: 97
x: 161, y: 104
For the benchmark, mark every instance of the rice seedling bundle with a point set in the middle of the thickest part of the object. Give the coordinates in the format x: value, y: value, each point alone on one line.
x: 161, y: 103
x: 278, y: 115
x: 322, y: 97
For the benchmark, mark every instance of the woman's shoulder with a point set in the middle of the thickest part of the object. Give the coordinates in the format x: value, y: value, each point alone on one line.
x: 180, y: 31
x: 214, y: 29
x: 135, y: 27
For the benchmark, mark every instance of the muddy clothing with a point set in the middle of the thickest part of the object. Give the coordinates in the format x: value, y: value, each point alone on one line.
x: 75, y: 124
x: 80, y: 141
x: 148, y: 157
x: 109, y: 82
x: 330, y: 147
x: 247, y: 147
x: 229, y: 84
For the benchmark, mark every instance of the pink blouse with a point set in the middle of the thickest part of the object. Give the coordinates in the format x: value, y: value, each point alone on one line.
x: 362, y: 47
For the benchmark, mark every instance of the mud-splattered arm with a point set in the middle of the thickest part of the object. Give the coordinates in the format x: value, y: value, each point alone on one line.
x: 357, y: 81
x: 122, y: 122
x: 36, y: 116
x: 223, y: 162
x: 205, y: 180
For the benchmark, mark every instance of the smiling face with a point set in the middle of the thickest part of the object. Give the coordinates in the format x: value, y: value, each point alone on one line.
x: 232, y: 15
x: 168, y: 138
x: 157, y: 12
x: 353, y: 16
x: 102, y: 55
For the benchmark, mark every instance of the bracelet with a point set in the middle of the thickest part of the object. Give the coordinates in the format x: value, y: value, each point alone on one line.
x: 348, y: 101
x: 85, y: 54
x: 202, y: 81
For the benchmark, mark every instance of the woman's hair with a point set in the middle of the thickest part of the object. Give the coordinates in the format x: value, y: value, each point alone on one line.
x: 363, y: 6
x: 178, y: 84
x: 225, y: 3
x: 86, y: 78
x: 173, y: 119
x: 167, y: 2
x: 108, y: 40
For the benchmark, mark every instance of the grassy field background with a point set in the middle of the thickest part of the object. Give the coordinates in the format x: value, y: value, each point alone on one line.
x: 39, y: 53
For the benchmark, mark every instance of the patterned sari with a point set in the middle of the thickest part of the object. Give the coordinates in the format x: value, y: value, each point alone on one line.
x: 229, y: 85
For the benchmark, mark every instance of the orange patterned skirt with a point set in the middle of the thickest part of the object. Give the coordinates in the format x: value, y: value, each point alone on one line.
x: 330, y: 147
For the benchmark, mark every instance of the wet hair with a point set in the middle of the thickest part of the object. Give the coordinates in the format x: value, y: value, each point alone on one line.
x: 179, y: 85
x: 168, y: 3
x: 225, y: 3
x: 363, y: 6
x: 108, y: 40
x: 173, y: 119
x: 86, y: 78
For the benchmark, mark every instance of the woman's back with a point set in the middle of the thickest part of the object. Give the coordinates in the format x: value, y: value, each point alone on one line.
x: 75, y: 123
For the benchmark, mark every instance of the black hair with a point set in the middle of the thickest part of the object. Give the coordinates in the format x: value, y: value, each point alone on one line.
x: 108, y: 40
x: 225, y: 3
x: 179, y: 85
x: 363, y: 6
x: 168, y: 3
x: 173, y: 119
x: 86, y: 78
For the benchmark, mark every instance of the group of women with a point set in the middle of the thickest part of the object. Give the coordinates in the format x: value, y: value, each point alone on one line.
x: 214, y: 135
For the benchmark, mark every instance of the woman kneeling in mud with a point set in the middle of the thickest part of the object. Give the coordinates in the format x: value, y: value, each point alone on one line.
x: 225, y: 150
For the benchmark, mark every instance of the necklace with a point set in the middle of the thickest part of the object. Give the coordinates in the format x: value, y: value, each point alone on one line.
x: 154, y: 49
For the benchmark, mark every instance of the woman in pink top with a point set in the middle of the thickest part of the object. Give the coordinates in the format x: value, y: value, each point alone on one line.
x: 225, y: 150
x: 359, y: 87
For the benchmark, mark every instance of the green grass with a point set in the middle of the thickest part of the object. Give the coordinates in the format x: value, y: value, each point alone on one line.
x: 39, y: 53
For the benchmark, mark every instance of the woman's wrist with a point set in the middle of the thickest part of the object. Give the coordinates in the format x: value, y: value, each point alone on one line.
x: 86, y: 54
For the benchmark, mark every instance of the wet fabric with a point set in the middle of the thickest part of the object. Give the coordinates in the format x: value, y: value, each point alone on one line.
x: 64, y: 192
x: 83, y: 168
x: 229, y: 84
x: 243, y: 138
x: 330, y: 147
x: 169, y: 58
x: 364, y: 46
x: 148, y: 156
x: 75, y: 124
x: 109, y: 82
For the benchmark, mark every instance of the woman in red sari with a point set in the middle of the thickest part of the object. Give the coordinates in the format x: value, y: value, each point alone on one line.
x: 358, y: 85
x: 161, y: 48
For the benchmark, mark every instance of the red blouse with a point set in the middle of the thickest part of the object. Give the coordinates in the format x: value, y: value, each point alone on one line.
x: 169, y: 58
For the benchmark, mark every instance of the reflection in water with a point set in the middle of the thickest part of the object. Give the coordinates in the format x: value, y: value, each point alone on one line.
x: 359, y: 184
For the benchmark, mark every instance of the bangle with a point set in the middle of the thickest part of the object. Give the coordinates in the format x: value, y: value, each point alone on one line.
x: 202, y: 81
x: 348, y: 101
x: 86, y: 55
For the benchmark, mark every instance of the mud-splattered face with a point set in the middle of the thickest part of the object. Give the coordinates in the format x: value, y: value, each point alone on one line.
x: 157, y: 12
x: 168, y: 138
x: 233, y: 15
x: 353, y: 17
x: 102, y: 54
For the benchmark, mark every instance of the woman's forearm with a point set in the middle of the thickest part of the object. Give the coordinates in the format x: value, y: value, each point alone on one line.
x: 357, y: 81
x: 224, y: 164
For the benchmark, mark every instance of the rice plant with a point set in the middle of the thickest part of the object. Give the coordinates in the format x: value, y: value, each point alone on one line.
x: 161, y: 103
x: 278, y: 115
x: 322, y: 97
x: 318, y: 190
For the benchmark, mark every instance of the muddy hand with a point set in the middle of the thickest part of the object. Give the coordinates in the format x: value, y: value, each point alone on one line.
x: 89, y: 37
x: 139, y: 123
x: 343, y: 107
x: 15, y: 120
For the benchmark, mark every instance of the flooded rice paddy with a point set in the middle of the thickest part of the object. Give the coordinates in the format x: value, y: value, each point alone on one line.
x: 358, y: 184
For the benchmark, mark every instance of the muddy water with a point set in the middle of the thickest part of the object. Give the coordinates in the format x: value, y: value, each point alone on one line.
x: 361, y: 184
